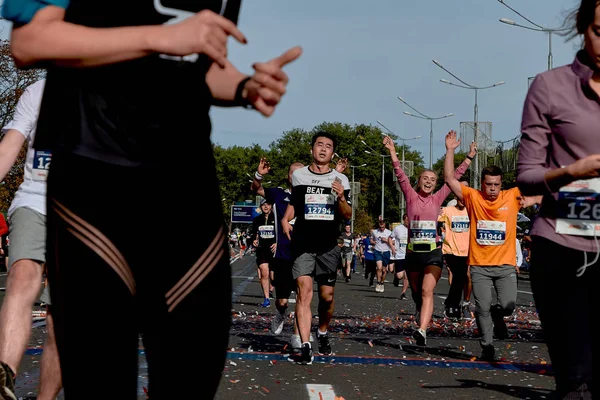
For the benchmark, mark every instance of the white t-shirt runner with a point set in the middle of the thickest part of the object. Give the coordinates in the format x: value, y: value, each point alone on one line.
x: 381, y: 245
x: 400, y: 236
x: 32, y: 192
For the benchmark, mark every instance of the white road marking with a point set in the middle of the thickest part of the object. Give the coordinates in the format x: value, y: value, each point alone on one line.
x: 320, y: 392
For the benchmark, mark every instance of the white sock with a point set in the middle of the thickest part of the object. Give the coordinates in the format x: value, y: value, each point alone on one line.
x: 422, y: 332
x: 322, y: 333
x: 309, y: 345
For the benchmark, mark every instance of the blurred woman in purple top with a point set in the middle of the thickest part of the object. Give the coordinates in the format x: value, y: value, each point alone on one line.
x: 559, y: 158
x: 423, y: 257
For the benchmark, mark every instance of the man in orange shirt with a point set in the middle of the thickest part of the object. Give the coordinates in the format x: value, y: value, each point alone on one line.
x: 492, y: 245
x: 455, y: 249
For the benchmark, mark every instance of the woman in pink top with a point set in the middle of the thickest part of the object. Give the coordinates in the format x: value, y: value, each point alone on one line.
x: 559, y: 158
x: 423, y: 258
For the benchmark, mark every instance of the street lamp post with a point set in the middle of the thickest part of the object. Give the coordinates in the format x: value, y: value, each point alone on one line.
x: 383, y: 156
x: 466, y: 85
x: 534, y: 27
x: 430, y: 119
x: 402, y: 206
x: 354, y: 195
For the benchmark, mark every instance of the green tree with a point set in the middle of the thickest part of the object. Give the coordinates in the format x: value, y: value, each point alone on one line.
x: 236, y: 166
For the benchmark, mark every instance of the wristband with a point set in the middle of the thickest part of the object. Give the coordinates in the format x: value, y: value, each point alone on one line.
x: 258, y: 176
x: 238, y: 99
x: 469, y: 157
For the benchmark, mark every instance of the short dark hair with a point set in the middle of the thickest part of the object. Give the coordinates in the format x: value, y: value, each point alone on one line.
x: 325, y: 135
x: 492, y: 170
x: 581, y: 18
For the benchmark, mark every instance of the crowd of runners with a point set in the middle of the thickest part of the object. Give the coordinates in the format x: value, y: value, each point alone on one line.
x: 100, y: 137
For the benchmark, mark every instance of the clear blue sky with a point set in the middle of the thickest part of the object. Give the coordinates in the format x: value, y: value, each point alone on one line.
x: 360, y: 55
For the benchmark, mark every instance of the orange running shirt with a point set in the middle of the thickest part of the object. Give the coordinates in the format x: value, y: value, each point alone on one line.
x: 456, y: 224
x: 493, y: 227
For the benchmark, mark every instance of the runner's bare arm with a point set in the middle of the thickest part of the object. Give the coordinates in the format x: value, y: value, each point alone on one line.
x: 48, y: 38
x: 263, y: 90
x: 343, y: 205
x: 449, y: 176
x: 11, y: 144
x: 263, y: 168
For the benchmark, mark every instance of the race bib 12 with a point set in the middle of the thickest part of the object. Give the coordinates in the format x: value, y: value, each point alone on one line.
x: 41, y: 165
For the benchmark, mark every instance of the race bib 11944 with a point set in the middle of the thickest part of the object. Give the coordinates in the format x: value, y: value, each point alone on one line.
x: 491, y: 233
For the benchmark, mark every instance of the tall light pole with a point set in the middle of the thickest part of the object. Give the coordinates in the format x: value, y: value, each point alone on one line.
x: 403, y: 206
x: 354, y: 195
x: 383, y: 156
x: 466, y: 85
x: 430, y: 119
x: 534, y: 27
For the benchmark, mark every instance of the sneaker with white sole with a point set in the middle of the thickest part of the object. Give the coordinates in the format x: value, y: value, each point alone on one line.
x: 324, y: 344
x: 304, y: 357
x: 296, y: 343
x: 420, y: 337
x: 277, y: 323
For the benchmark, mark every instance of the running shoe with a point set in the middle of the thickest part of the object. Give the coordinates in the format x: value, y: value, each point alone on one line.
x: 420, y: 337
x: 304, y: 357
x: 324, y: 345
x: 277, y: 323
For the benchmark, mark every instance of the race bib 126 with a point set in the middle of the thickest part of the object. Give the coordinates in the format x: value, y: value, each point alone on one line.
x: 319, y: 207
x: 579, y: 208
x: 491, y: 233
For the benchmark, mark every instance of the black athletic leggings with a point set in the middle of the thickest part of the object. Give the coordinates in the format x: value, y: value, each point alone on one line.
x: 566, y: 305
x: 132, y: 252
x: 459, y: 268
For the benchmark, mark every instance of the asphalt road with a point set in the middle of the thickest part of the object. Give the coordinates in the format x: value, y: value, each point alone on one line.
x: 374, y: 355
